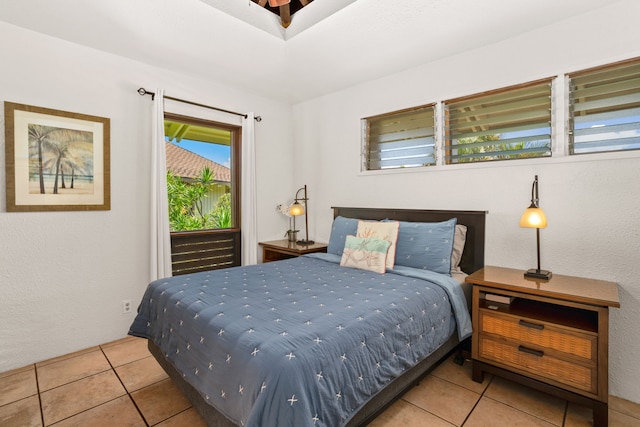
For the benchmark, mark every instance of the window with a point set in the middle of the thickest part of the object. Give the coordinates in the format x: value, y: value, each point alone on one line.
x: 198, y: 176
x: 604, y: 108
x: 402, y: 139
x: 203, y: 189
x: 602, y: 115
x: 510, y: 123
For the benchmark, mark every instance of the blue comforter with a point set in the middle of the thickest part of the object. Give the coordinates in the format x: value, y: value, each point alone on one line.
x: 301, y: 342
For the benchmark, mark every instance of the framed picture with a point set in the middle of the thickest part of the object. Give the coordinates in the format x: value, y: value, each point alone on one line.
x: 56, y: 160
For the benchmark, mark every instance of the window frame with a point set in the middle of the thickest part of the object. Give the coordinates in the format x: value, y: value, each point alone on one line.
x: 527, y: 102
x: 594, y: 79
x: 400, y: 143
x: 210, y: 249
x: 235, y: 155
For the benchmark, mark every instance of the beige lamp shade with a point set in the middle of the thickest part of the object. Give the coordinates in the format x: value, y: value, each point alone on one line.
x: 296, y: 209
x: 275, y: 3
x: 533, y: 218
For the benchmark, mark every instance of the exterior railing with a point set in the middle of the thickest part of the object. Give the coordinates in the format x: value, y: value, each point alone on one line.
x: 202, y: 250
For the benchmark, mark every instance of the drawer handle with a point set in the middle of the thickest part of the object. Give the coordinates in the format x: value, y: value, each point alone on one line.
x: 530, y: 351
x: 531, y: 325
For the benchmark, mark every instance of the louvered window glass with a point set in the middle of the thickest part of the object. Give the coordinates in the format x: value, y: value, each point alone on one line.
x: 402, y: 139
x: 604, y: 108
x: 510, y: 123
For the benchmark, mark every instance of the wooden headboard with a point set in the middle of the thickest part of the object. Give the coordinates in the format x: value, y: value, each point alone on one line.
x: 473, y: 255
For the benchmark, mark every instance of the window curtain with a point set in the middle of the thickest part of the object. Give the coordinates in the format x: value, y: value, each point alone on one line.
x: 160, y: 240
x: 248, y: 197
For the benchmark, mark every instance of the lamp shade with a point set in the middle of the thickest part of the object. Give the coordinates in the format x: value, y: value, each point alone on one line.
x: 533, y: 217
x: 296, y: 209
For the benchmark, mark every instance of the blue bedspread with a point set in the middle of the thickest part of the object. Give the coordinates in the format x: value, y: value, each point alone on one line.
x: 301, y: 342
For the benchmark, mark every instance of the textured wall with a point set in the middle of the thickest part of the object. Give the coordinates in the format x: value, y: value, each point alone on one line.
x: 591, y: 201
x: 63, y: 275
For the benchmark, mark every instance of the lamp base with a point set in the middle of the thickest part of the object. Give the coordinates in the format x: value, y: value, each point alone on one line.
x: 305, y: 242
x: 534, y: 273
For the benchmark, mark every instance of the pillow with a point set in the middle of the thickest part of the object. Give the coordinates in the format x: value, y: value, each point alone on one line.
x: 426, y: 245
x: 340, y: 229
x: 365, y: 253
x: 387, y: 230
x: 459, y: 239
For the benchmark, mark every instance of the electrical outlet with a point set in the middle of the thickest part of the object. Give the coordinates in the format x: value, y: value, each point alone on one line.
x: 126, y: 306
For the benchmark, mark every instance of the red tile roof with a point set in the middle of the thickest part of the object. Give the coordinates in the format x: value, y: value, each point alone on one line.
x: 187, y: 164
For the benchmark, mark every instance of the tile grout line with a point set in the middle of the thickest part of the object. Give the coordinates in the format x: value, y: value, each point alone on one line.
x: 35, y: 372
x: 466, y: 388
x: 566, y: 412
x: 76, y: 380
x: 479, y: 399
x: 81, y: 412
x: 129, y: 394
x: 566, y: 403
x: 39, y: 392
x: 424, y: 410
x: 178, y: 413
x: 144, y: 420
x: 445, y: 360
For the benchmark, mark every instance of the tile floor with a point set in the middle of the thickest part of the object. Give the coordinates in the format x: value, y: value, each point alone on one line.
x: 120, y: 384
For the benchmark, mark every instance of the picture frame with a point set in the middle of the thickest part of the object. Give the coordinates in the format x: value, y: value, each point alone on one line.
x: 56, y: 160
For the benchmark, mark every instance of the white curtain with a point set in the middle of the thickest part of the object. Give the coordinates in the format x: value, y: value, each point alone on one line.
x: 248, y: 198
x: 160, y: 241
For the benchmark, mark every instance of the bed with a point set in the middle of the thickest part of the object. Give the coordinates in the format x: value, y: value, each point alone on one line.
x: 308, y: 341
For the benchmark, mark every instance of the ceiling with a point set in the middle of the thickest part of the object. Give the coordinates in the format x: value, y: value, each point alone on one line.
x: 326, y: 48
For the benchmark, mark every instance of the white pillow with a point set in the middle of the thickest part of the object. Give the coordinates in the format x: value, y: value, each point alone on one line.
x: 459, y: 239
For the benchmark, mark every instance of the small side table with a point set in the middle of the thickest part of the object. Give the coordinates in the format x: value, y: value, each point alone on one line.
x: 551, y: 335
x: 276, y: 250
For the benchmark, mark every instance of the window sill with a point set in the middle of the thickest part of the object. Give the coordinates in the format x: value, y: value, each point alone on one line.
x: 557, y: 159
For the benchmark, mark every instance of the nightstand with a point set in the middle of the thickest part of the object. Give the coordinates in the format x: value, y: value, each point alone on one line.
x: 550, y: 335
x: 276, y: 250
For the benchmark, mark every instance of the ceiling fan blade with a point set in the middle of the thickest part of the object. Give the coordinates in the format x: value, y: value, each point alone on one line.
x: 276, y: 3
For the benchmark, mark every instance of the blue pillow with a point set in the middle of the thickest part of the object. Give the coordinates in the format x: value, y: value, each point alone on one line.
x: 426, y: 245
x: 340, y: 229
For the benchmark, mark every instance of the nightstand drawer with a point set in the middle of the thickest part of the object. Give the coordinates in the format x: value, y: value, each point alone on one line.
x: 537, y: 363
x: 560, y: 340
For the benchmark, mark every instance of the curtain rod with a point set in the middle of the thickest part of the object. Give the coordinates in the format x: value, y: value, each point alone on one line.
x: 142, y: 91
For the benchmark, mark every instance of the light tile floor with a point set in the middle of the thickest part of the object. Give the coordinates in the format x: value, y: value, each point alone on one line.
x: 120, y: 384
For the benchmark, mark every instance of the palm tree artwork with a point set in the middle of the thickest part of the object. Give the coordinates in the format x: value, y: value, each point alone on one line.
x: 52, y: 150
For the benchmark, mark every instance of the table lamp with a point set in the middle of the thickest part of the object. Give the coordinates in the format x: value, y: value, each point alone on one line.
x: 298, y: 209
x: 534, y: 217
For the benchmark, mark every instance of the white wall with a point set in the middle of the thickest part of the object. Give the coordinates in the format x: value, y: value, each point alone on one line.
x: 591, y: 202
x: 63, y: 275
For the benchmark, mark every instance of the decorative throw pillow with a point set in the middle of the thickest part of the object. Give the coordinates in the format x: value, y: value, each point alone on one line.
x: 426, y: 245
x: 340, y: 229
x: 387, y: 230
x: 365, y: 254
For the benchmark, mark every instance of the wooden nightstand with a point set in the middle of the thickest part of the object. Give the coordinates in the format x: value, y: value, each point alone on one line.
x: 549, y: 335
x: 276, y: 250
